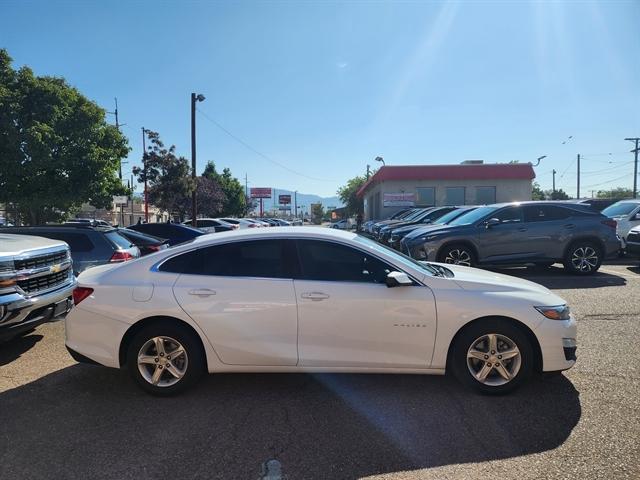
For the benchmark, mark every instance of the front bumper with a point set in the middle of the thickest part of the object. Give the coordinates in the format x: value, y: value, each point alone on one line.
x: 558, y: 343
x: 19, y: 314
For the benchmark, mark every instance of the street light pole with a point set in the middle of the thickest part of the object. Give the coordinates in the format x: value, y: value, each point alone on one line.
x: 194, y: 205
x: 144, y: 172
x: 635, y: 165
x: 380, y: 159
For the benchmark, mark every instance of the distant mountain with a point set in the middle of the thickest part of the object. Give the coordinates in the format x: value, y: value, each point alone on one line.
x: 304, y: 200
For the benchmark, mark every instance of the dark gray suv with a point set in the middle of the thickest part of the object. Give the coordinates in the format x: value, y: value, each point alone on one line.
x: 539, y: 233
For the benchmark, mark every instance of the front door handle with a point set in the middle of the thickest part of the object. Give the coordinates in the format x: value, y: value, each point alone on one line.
x: 202, y: 292
x: 315, y: 296
x: 569, y: 225
x: 522, y: 229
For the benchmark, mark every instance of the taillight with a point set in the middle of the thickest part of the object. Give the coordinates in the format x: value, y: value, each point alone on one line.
x: 253, y: 225
x: 121, y: 256
x: 235, y: 227
x: 154, y: 248
x: 80, y: 293
x: 610, y: 223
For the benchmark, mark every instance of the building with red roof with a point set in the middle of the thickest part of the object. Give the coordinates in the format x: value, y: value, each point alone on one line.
x: 470, y: 183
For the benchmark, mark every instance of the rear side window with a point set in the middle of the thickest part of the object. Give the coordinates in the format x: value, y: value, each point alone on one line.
x: 78, y: 242
x: 257, y: 258
x: 545, y: 213
x: 118, y: 240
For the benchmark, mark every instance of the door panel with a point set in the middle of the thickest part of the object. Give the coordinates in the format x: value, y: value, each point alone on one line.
x: 348, y: 317
x: 504, y: 241
x: 365, y: 325
x: 249, y: 321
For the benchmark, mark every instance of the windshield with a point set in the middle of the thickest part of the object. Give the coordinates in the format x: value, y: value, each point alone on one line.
x: 619, y: 209
x: 453, y: 214
x: 397, y: 256
x: 473, y: 216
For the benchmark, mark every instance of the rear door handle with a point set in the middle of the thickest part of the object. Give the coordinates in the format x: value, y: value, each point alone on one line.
x: 202, y: 292
x: 522, y: 229
x: 569, y: 225
x: 315, y: 296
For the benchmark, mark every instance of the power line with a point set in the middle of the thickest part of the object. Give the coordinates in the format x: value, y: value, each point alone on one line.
x: 259, y: 153
x: 608, y: 181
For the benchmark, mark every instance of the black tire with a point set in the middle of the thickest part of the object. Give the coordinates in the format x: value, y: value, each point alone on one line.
x: 503, y: 329
x: 192, y: 369
x: 585, y: 250
x: 460, y: 251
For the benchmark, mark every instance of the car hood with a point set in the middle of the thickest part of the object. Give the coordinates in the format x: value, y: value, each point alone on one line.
x: 436, y: 229
x: 476, y: 279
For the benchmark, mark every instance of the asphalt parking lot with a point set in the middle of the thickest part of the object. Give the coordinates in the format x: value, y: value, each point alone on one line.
x: 63, y: 420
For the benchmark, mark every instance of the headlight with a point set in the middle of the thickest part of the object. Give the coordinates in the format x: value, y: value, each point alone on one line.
x: 558, y: 312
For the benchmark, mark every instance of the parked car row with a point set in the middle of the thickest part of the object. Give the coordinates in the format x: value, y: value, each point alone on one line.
x: 538, y: 233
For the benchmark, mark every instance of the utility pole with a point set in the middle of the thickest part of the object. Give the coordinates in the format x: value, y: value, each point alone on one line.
x: 368, y: 171
x: 295, y: 203
x: 194, y: 205
x: 144, y: 173
x: 578, y: 192
x: 554, y: 181
x: 635, y: 165
x: 132, y: 188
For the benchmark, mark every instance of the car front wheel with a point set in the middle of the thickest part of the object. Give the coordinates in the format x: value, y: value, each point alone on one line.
x: 457, y: 255
x: 492, y: 356
x: 165, y: 359
x: 583, y: 258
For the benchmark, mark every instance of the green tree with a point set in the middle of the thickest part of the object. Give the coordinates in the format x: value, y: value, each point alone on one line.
x: 619, y: 193
x: 56, y: 149
x: 317, y: 212
x: 168, y: 176
x: 234, y: 202
x: 559, y: 194
x: 347, y: 195
x: 210, y: 200
x: 537, y: 193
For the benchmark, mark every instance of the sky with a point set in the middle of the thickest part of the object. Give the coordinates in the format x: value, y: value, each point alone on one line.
x: 303, y: 95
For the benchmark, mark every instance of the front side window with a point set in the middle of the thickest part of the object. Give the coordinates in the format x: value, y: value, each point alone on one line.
x: 509, y: 215
x: 332, y: 262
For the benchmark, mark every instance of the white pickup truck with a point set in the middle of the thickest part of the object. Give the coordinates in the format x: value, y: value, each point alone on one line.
x: 36, y: 282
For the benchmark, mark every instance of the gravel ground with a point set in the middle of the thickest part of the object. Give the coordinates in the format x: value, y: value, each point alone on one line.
x: 67, y: 421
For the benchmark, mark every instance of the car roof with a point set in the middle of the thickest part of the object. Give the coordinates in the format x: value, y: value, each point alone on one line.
x: 79, y: 227
x: 257, y: 233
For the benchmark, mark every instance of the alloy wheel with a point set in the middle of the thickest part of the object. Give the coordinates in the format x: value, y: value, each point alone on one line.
x: 584, y: 259
x: 457, y: 256
x: 162, y: 361
x: 494, y: 359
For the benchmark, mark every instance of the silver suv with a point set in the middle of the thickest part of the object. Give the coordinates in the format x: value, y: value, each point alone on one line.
x: 539, y: 233
x: 36, y: 282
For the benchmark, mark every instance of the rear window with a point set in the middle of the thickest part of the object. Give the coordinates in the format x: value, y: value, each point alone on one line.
x: 118, y: 240
x: 619, y: 209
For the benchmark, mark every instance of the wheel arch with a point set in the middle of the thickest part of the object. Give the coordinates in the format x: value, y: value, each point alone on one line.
x: 585, y: 238
x: 535, y: 345
x: 139, y: 325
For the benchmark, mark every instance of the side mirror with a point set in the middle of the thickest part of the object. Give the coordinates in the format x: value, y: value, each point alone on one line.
x: 398, y: 279
x: 492, y: 222
x: 636, y: 216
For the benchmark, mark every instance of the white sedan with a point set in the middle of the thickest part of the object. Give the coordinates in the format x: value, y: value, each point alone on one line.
x: 313, y: 300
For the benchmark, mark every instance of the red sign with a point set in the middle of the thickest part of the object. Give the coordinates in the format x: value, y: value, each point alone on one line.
x: 284, y: 199
x: 259, y: 192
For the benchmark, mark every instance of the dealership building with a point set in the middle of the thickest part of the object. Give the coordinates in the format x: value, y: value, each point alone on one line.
x: 473, y: 182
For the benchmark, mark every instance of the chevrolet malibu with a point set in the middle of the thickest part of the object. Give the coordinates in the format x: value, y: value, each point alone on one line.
x: 313, y: 300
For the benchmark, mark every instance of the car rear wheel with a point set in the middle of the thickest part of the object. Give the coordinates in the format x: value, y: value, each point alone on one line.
x: 457, y: 255
x: 165, y: 359
x: 583, y: 258
x: 492, y: 356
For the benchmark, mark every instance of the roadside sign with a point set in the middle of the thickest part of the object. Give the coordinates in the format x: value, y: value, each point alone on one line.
x: 120, y: 199
x: 284, y: 208
x: 284, y: 199
x: 260, y: 192
x: 401, y: 199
